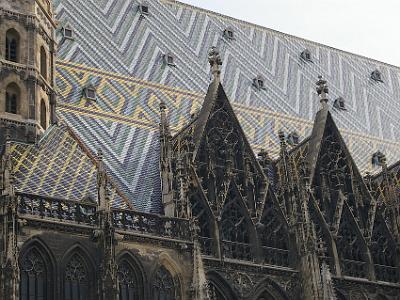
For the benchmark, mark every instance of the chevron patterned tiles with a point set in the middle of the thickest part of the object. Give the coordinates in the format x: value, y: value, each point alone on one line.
x: 121, y: 54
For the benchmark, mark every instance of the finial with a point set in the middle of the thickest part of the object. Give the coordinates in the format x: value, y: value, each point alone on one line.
x: 281, y: 135
x: 322, y: 90
x: 163, y: 106
x: 215, y: 61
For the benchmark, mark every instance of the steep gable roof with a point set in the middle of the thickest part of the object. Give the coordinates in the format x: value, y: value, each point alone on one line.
x: 59, y: 166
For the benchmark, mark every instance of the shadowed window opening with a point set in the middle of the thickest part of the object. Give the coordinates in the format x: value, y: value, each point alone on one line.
x: 12, y: 45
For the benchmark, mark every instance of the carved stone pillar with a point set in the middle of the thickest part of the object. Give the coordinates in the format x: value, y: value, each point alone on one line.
x: 104, y: 235
x: 9, y: 268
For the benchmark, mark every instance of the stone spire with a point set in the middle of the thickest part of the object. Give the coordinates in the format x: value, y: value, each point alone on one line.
x: 105, y: 236
x: 322, y: 90
x: 164, y: 124
x: 215, y: 62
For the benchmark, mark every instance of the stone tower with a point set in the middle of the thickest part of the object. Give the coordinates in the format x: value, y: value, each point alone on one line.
x: 27, y: 80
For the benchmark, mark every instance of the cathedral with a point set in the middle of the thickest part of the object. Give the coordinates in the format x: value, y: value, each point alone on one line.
x: 156, y: 150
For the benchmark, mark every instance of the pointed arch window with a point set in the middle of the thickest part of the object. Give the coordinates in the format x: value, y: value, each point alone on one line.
x: 12, y: 45
x: 43, y: 62
x: 214, y: 292
x: 129, y: 285
x: 43, y: 114
x: 234, y: 230
x: 12, y: 98
x: 165, y: 286
x: 273, y: 236
x: 34, y: 276
x: 76, y: 279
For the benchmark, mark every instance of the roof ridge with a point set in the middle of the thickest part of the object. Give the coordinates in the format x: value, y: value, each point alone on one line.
x: 248, y: 23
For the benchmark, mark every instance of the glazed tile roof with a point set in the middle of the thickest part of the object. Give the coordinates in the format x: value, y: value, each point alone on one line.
x: 58, y: 167
x: 120, y: 53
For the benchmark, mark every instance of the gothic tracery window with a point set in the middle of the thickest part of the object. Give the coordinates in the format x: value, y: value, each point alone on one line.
x: 234, y: 230
x: 350, y: 248
x: 127, y: 280
x: 165, y: 286
x: 214, y: 293
x: 12, y: 45
x: 384, y: 253
x: 273, y: 236
x: 34, y: 276
x: 76, y: 279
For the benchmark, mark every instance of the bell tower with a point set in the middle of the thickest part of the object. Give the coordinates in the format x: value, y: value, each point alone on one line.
x: 27, y: 80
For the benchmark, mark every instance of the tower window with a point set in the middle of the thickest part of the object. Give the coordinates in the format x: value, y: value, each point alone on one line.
x: 306, y: 55
x: 169, y: 60
x: 12, y: 98
x: 12, y: 45
x: 376, y: 75
x: 144, y: 9
x: 90, y: 93
x: 43, y: 62
x: 340, y: 104
x: 229, y: 33
x: 43, y: 114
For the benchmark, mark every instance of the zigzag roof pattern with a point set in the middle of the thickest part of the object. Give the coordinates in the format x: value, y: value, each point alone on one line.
x: 121, y: 53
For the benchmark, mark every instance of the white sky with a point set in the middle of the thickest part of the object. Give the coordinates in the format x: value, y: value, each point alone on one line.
x: 366, y: 27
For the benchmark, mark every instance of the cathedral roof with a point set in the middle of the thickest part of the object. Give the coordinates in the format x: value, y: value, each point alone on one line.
x: 59, y: 166
x: 123, y: 54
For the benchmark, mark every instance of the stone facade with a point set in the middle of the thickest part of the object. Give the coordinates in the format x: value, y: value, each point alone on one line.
x: 235, y: 225
x: 29, y: 66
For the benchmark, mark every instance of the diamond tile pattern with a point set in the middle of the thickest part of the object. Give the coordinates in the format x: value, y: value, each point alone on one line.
x: 58, y: 167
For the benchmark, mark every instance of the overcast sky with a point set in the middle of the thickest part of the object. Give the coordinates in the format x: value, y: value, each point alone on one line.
x: 366, y: 27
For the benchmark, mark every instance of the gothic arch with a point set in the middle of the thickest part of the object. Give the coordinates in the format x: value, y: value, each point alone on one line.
x: 166, y: 280
x: 384, y: 252
x: 38, y: 275
x: 269, y: 290
x: 131, y: 277
x: 352, y: 250
x: 77, y: 274
x: 325, y: 236
x: 237, y: 231
x: 219, y: 288
x: 273, y: 234
x: 12, y: 43
x: 206, y: 221
x: 12, y: 98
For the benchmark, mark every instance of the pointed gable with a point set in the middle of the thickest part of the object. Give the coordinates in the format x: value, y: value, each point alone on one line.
x: 222, y: 153
x: 333, y: 171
